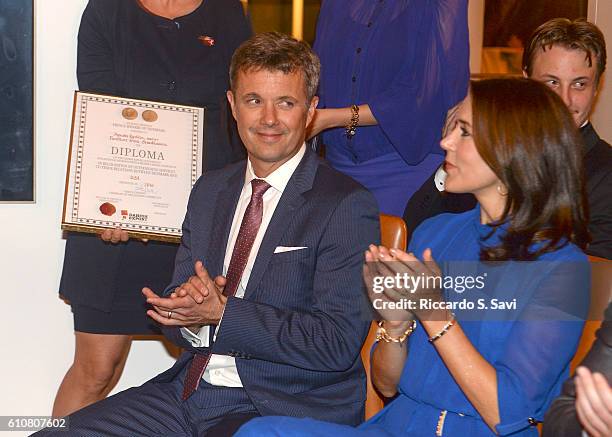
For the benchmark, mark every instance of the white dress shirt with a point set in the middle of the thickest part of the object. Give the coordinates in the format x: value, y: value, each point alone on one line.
x: 221, y: 369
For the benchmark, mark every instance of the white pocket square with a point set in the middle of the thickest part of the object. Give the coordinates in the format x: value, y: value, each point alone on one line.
x: 281, y: 249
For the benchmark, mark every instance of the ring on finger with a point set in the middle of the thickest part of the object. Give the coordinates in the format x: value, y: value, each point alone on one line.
x: 169, y: 314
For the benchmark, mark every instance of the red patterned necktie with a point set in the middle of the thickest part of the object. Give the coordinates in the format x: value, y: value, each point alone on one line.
x: 251, y: 221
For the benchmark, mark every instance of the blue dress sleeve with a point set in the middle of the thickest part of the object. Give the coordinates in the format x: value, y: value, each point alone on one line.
x: 540, y: 346
x: 412, y: 110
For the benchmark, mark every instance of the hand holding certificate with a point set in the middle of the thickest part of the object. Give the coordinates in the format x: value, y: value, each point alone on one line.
x: 132, y: 163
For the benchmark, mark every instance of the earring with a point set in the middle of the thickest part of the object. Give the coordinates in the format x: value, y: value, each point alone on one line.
x: 502, y: 190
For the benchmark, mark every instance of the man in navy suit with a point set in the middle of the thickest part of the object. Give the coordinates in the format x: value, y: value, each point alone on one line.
x: 266, y: 297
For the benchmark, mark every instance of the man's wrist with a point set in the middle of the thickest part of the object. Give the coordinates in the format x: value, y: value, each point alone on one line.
x: 222, y: 309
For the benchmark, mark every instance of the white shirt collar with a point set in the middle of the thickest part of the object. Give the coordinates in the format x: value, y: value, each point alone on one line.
x: 279, y: 178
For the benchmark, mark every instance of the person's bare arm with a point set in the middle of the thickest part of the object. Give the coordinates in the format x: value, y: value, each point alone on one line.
x: 339, y: 117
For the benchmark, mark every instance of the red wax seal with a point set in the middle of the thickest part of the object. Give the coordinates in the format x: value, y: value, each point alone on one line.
x: 107, y: 208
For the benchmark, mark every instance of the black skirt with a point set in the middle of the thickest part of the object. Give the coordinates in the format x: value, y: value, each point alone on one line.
x: 103, y: 282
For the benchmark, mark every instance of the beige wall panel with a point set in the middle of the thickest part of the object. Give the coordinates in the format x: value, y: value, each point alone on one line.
x: 600, y: 13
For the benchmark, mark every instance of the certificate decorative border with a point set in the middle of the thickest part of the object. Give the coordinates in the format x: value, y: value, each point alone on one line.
x: 94, y: 225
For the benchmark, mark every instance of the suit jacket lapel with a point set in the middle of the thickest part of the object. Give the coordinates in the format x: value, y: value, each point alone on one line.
x: 291, y: 200
x: 225, y: 207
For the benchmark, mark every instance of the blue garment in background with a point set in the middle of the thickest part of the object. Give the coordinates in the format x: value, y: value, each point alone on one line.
x: 530, y: 350
x: 409, y: 61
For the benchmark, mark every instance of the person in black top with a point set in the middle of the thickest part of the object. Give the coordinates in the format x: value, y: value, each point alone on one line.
x: 570, y: 57
x: 170, y: 51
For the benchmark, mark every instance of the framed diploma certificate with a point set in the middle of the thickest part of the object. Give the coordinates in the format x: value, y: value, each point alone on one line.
x: 132, y: 163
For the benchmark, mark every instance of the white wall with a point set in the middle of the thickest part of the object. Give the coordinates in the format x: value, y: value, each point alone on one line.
x: 37, y: 340
x: 600, y: 13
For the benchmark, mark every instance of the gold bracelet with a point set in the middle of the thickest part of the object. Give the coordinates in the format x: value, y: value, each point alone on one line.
x: 444, y: 330
x: 383, y: 335
x: 351, y: 128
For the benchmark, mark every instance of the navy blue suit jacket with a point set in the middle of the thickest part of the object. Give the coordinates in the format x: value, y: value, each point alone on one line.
x: 297, y: 333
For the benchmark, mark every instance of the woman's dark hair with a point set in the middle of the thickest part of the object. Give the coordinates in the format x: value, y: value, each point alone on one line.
x: 526, y: 135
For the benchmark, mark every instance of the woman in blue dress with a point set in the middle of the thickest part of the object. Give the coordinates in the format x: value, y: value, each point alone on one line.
x: 402, y: 64
x: 489, y: 372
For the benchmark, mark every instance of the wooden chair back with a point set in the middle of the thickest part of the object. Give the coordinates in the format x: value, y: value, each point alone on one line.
x: 393, y: 234
x: 601, y: 291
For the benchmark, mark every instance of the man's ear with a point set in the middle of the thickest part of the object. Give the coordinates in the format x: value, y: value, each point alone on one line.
x: 311, y: 109
x: 230, y: 99
x: 598, y: 85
